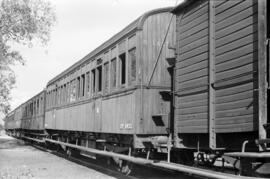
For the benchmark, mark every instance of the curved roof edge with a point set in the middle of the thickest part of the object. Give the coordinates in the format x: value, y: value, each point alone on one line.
x: 150, y: 13
x: 135, y: 25
x: 182, y: 5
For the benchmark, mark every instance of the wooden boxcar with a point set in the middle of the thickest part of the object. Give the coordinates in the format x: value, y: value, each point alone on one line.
x: 33, y: 114
x: 221, y: 73
x: 107, y: 97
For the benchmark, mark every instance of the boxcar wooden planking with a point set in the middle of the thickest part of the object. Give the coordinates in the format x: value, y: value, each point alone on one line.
x: 217, y: 74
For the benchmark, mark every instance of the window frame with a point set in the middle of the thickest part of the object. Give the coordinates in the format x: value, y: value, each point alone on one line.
x: 99, y: 79
x: 122, y: 69
x: 132, y: 79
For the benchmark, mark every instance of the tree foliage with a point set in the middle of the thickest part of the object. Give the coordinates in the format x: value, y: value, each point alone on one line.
x: 22, y: 22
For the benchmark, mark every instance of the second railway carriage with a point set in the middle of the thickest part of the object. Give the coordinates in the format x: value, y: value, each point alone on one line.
x: 9, y: 123
x: 33, y: 115
x: 13, y: 122
x: 114, y: 94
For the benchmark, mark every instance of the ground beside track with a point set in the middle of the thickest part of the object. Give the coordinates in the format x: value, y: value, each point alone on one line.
x: 20, y: 161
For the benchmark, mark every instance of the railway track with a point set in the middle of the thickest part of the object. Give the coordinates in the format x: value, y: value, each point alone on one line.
x: 138, y: 171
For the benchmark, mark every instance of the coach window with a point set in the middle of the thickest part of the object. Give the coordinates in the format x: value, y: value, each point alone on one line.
x: 99, y: 80
x: 37, y: 106
x: 68, y: 92
x: 106, y: 77
x: 27, y: 110
x: 132, y: 65
x: 122, y: 63
x: 60, y: 94
x: 56, y: 96
x: 83, y: 85
x: 47, y: 94
x: 40, y: 105
x: 73, y: 90
x: 93, y: 79
x: 48, y: 100
x: 53, y: 98
x: 113, y: 73
x: 87, y: 84
x: 78, y: 88
x: 65, y: 94
x: 34, y: 107
x: 31, y: 109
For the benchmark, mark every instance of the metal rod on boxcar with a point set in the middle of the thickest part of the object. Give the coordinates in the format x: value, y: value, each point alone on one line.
x: 160, y: 51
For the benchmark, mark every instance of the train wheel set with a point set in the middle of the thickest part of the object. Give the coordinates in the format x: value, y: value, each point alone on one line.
x: 182, y: 88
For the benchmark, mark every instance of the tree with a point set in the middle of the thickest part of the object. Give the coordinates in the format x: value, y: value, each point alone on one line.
x: 23, y: 22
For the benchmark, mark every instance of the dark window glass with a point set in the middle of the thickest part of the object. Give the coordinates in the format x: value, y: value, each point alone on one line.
x: 132, y: 65
x: 93, y: 77
x: 83, y: 85
x: 87, y: 83
x: 113, y: 73
x: 65, y: 93
x: 122, y: 61
x: 73, y: 90
x: 106, y: 77
x: 59, y: 95
x: 78, y: 87
x: 56, y: 96
x: 38, y: 106
x: 99, y: 71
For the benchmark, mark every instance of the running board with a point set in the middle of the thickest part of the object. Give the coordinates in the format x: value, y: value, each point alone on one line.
x: 160, y: 164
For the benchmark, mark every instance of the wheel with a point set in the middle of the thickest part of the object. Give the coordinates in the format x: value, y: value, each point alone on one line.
x: 126, y: 168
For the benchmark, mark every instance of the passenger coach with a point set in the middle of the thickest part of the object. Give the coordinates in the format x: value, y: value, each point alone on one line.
x: 33, y: 115
x: 113, y: 95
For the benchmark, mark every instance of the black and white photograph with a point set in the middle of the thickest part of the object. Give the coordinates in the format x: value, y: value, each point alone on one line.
x: 134, y: 89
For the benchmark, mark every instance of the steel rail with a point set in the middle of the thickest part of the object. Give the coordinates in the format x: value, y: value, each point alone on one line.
x: 249, y: 154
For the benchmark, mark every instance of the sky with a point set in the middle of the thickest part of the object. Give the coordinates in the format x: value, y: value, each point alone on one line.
x: 82, y: 25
